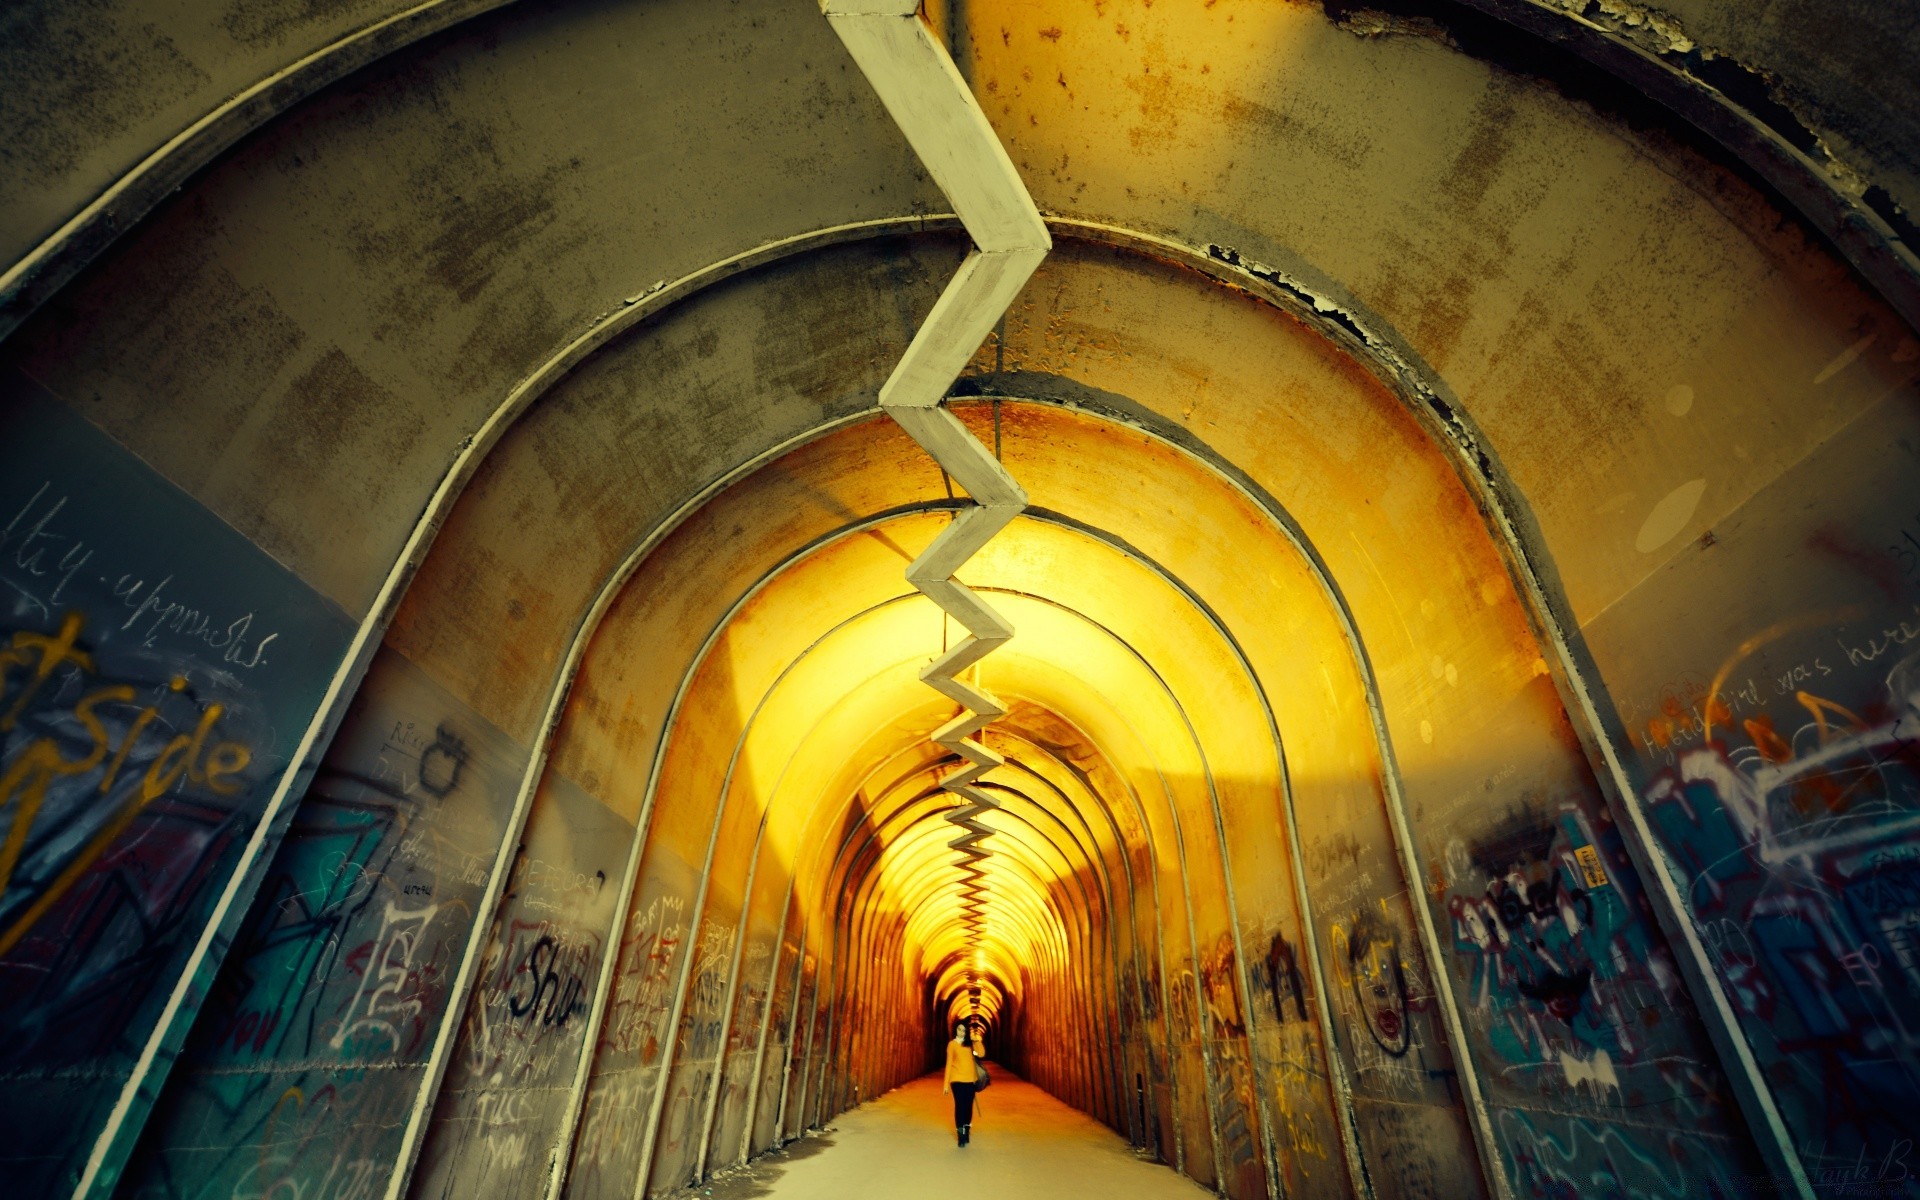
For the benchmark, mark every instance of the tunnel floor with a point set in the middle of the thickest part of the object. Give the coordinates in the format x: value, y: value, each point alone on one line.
x: 1026, y: 1144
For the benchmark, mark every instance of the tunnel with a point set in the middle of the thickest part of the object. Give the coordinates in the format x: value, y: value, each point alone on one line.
x: 464, y: 712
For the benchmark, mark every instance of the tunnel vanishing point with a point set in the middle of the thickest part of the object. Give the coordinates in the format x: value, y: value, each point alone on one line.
x: 1453, y: 485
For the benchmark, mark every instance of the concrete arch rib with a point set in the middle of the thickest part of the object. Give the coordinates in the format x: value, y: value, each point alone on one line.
x: 773, y: 798
x: 47, y: 265
x: 665, y: 741
x: 1431, y: 943
x: 1373, y: 354
x: 828, y: 815
x: 1338, y: 329
x: 1372, y: 342
x: 115, y: 1140
x: 1044, y: 940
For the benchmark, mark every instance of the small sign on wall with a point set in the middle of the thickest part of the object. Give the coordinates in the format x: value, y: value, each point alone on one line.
x: 1589, y: 859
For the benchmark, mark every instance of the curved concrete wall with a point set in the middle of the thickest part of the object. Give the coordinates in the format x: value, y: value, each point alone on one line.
x: 461, y: 728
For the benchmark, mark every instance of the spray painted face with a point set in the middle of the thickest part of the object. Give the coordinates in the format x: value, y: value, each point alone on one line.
x: 1380, y: 985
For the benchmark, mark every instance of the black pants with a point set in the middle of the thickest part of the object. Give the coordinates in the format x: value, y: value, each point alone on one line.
x: 962, y: 1104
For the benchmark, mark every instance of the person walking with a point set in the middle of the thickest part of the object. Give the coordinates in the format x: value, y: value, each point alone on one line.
x: 962, y: 1071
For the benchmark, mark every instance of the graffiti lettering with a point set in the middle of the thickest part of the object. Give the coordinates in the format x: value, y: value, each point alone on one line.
x: 389, y: 1002
x: 1906, y: 549
x: 641, y: 990
x: 31, y: 540
x: 34, y: 764
x: 562, y: 998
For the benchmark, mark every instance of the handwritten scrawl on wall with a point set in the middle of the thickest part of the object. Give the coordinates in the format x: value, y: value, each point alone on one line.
x: 636, y: 1034
x: 1295, y: 1082
x: 156, y: 670
x: 502, y: 1108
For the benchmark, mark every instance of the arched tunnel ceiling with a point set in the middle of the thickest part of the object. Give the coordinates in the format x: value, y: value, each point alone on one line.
x: 291, y: 278
x: 1114, y: 642
x: 123, y: 104
x: 1405, y: 422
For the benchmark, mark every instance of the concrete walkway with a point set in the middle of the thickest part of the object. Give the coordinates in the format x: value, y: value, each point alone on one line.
x: 1026, y: 1146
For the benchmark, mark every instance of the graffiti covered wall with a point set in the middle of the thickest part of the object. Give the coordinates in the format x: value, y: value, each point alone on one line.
x: 310, y: 1058
x: 1405, y: 1102
x: 627, y: 1062
x: 159, y: 674
x: 504, y: 1104
x: 1776, y: 760
x: 1597, y: 1068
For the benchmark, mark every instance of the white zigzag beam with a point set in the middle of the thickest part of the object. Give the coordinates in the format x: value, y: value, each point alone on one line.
x: 943, y: 123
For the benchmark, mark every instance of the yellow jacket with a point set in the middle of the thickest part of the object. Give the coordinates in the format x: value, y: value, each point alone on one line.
x: 960, y: 1060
